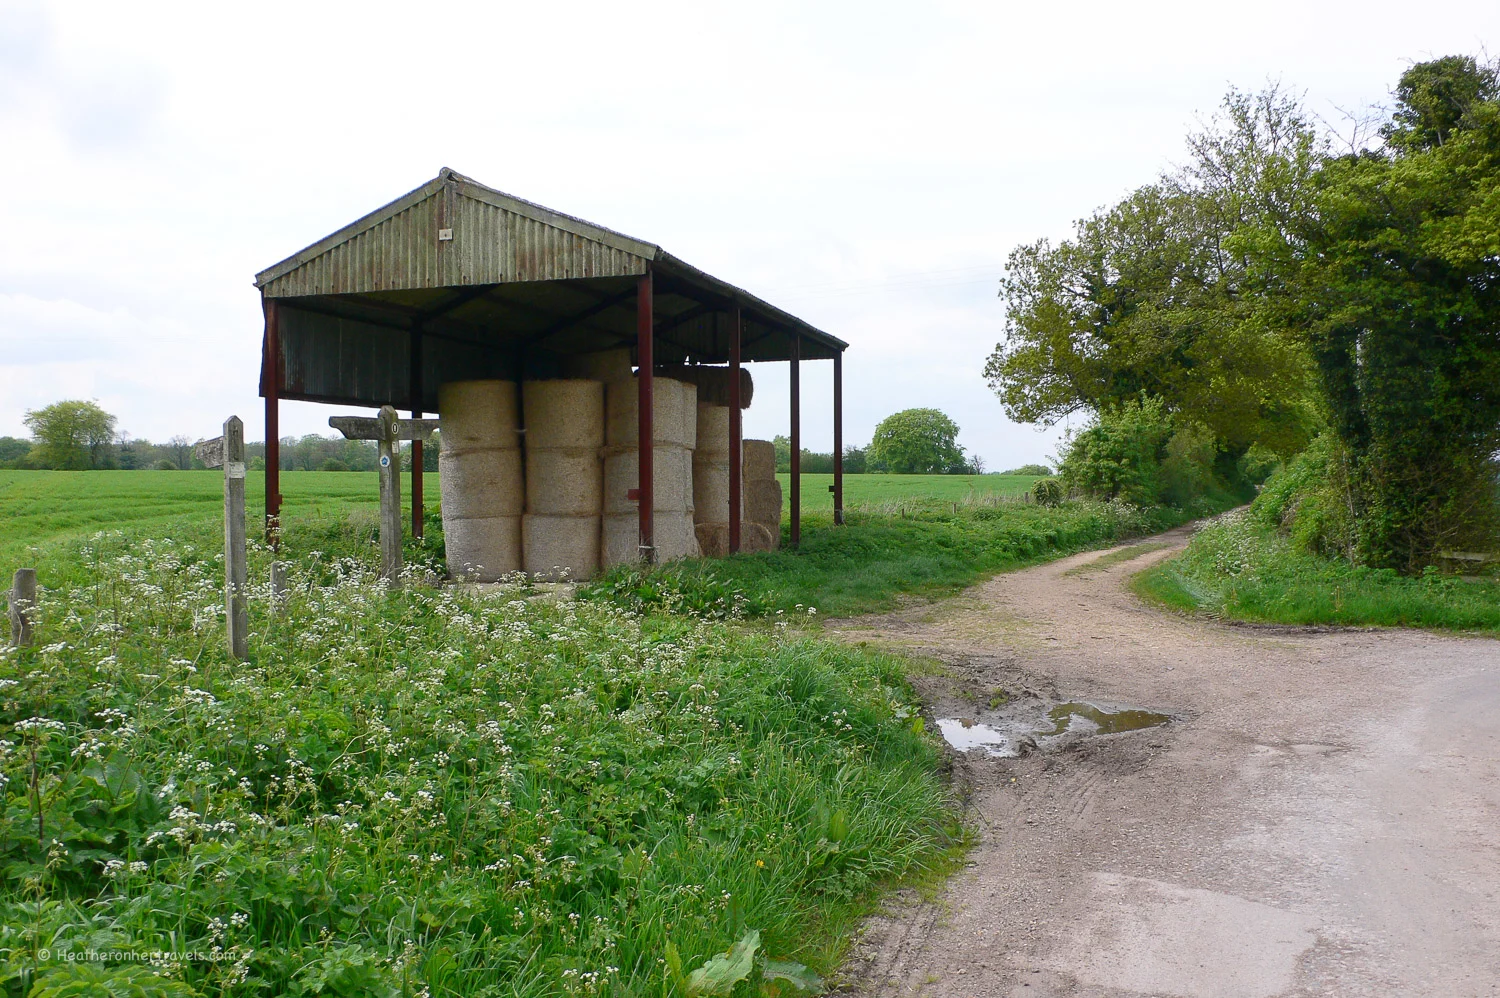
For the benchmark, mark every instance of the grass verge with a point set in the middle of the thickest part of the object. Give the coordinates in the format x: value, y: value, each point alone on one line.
x: 1241, y: 569
x: 927, y: 548
x: 431, y: 792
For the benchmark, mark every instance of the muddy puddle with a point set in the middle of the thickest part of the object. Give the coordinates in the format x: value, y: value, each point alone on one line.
x: 1014, y: 726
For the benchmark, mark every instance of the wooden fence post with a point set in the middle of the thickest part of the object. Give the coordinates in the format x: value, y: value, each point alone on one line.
x: 22, y: 606
x: 228, y: 452
x: 278, y: 587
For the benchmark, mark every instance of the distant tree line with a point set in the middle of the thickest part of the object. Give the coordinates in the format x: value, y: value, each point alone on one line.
x: 75, y: 435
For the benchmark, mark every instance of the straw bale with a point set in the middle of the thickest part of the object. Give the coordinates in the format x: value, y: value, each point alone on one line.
x: 763, y: 502
x: 602, y: 365
x: 558, y: 547
x: 483, y: 481
x: 759, y: 459
x: 564, y: 482
x: 674, y: 419
x: 711, y: 490
x: 482, y: 549
x: 478, y: 414
x: 713, y: 430
x: 712, y: 382
x: 565, y: 412
x: 759, y: 537
x: 713, y: 538
x: 672, y: 478
x: 673, y: 533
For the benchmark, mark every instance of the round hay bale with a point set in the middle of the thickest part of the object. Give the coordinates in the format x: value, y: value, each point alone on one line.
x: 763, y: 502
x: 712, y: 382
x: 482, y: 549
x: 673, y: 533
x: 759, y: 459
x: 566, y: 412
x: 560, y: 548
x: 479, y: 482
x: 713, y: 539
x: 713, y: 430
x: 478, y: 414
x: 756, y: 537
x: 564, y: 482
x: 674, y: 419
x: 671, y: 476
x: 711, y: 490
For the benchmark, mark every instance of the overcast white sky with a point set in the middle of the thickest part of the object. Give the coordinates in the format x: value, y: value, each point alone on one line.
x: 866, y: 165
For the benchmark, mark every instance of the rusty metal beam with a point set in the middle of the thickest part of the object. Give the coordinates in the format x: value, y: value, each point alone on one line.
x: 273, y: 367
x: 645, y: 430
x: 838, y: 439
x: 416, y: 445
x: 736, y: 503
x: 796, y: 468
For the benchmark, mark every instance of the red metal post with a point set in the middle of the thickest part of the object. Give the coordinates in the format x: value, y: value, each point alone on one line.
x: 416, y: 445
x: 736, y: 330
x: 839, y: 438
x: 796, y: 482
x: 272, y: 365
x: 646, y: 431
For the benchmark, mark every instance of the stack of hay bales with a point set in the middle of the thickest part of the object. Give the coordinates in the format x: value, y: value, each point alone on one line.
x: 564, y: 483
x: 761, y: 525
x: 711, y: 481
x: 481, y: 482
x: 675, y: 429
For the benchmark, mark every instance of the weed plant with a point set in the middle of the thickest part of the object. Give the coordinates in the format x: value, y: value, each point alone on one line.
x: 1241, y: 568
x: 432, y: 791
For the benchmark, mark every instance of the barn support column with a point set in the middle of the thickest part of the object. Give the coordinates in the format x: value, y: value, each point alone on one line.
x: 796, y: 468
x: 273, y: 367
x: 646, y: 431
x: 736, y: 430
x: 838, y: 438
x: 416, y: 445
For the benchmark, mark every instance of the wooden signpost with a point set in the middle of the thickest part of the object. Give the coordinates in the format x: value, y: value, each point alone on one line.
x: 388, y: 429
x: 228, y: 452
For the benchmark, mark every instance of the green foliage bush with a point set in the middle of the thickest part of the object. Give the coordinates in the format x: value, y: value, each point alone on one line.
x: 1029, y: 469
x: 1048, y: 491
x: 1308, y: 500
x: 1119, y: 454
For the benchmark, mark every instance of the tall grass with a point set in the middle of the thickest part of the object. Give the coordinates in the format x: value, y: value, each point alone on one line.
x: 430, y: 792
x: 1243, y: 569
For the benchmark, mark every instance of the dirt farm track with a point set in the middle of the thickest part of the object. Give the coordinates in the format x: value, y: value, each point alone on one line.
x: 1320, y: 817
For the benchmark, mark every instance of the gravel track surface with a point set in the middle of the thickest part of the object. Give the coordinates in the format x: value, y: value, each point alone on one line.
x: 1321, y: 817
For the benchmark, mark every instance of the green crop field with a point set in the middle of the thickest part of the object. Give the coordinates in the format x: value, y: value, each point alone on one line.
x: 40, y: 507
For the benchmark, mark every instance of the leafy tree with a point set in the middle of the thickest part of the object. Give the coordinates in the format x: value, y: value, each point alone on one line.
x: 71, y: 434
x: 918, y: 441
x: 1151, y: 295
x: 1030, y: 469
x: 1393, y: 282
x: 856, y: 460
x: 181, y: 450
x: 13, y: 451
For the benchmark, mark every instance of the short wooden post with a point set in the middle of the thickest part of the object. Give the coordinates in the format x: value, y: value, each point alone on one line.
x: 22, y: 608
x: 228, y: 452
x: 390, y: 498
x: 278, y: 587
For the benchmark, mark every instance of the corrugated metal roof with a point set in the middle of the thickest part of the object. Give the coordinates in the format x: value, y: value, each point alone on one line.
x: 506, y: 282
